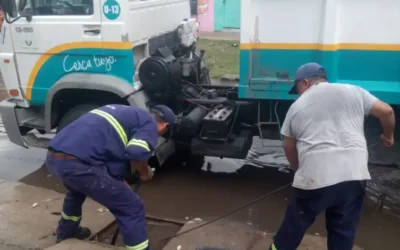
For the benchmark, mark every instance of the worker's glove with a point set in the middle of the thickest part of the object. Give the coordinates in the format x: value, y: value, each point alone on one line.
x: 149, y: 176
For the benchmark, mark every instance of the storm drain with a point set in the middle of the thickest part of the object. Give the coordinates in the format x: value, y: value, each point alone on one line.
x: 157, y: 229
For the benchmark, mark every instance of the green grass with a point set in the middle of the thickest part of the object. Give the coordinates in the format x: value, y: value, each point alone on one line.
x: 222, y: 57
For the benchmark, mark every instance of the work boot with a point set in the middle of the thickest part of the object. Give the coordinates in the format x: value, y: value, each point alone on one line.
x: 81, y: 234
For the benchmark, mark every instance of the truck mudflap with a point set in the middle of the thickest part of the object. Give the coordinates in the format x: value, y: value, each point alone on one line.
x: 164, y: 149
x: 10, y: 121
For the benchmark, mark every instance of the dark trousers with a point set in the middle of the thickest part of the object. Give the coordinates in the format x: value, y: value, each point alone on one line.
x: 83, y: 180
x: 342, y: 204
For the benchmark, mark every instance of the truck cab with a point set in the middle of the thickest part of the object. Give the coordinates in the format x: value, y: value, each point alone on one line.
x: 61, y: 58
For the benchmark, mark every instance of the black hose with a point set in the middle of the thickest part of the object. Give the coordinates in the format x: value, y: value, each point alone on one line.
x: 115, y: 236
x: 227, y: 214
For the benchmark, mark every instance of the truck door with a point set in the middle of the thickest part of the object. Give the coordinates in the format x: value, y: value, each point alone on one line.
x: 62, y: 37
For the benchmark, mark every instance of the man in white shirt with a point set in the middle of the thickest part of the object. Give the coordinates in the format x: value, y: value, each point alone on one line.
x: 325, y: 144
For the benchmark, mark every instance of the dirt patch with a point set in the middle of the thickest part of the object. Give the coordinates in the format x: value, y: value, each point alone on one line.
x: 222, y: 57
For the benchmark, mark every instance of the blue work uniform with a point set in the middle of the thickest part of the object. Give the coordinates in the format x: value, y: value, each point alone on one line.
x: 98, y: 145
x: 342, y: 204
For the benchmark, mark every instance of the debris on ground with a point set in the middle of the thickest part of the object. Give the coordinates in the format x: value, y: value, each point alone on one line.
x: 198, y: 219
x: 229, y: 235
x: 43, y: 237
x: 34, y: 205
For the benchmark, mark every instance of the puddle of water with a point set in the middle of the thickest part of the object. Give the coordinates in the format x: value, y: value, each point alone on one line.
x: 224, y: 184
x: 218, y: 165
x: 18, y: 162
x: 384, y: 189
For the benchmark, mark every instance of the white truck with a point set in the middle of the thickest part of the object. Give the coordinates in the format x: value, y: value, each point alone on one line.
x: 62, y: 58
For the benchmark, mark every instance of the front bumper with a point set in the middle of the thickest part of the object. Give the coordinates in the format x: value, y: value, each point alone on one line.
x: 11, y: 124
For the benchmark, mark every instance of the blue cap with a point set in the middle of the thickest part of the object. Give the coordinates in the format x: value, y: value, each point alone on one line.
x: 307, y: 71
x: 167, y: 115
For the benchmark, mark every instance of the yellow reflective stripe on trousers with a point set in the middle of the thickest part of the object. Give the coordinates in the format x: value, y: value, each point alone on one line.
x: 274, y: 247
x: 119, y: 129
x: 140, y: 143
x: 141, y: 246
x: 73, y: 218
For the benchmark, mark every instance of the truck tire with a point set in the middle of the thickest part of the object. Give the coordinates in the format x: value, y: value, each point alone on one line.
x: 184, y: 158
x: 74, y: 114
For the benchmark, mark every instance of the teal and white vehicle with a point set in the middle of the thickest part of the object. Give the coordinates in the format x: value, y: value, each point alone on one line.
x: 63, y: 58
x: 355, y: 41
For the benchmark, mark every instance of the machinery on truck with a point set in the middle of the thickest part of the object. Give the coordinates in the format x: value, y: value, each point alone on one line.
x: 63, y: 58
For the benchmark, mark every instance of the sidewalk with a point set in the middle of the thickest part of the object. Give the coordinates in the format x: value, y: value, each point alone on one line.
x: 227, y: 235
x: 29, y: 216
x: 228, y: 36
x: 84, y: 245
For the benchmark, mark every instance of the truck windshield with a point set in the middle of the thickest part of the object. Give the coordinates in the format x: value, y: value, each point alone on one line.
x: 55, y: 7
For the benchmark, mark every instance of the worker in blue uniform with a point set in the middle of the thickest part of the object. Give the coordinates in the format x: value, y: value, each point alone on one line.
x: 90, y: 156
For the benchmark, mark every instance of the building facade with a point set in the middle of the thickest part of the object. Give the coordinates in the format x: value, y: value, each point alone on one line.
x: 217, y: 15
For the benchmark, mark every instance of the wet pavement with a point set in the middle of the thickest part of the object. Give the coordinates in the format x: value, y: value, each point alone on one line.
x: 209, y: 187
x: 30, y: 214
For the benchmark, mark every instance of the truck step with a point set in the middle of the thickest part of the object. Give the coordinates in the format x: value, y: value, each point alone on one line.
x: 33, y: 140
x: 36, y: 123
x: 32, y: 117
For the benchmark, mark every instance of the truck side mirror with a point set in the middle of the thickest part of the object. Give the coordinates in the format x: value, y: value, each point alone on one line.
x: 10, y: 9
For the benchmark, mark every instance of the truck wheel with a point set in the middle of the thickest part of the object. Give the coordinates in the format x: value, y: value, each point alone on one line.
x: 184, y: 158
x: 74, y: 114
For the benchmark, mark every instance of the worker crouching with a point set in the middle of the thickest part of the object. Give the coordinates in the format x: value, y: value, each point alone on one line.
x: 90, y: 155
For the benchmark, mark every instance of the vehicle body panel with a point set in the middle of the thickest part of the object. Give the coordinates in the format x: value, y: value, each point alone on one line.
x: 343, y: 36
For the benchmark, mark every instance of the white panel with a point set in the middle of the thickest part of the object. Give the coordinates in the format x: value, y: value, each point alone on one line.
x: 155, y: 17
x: 369, y: 21
x: 283, y: 21
x: 321, y: 21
